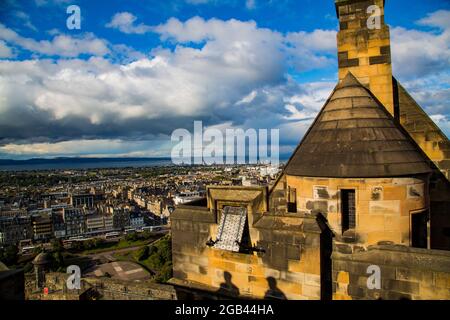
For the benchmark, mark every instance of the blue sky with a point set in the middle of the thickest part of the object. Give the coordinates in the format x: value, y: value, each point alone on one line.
x: 137, y: 70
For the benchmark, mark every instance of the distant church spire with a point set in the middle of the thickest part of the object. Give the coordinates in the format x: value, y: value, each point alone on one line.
x: 364, y: 47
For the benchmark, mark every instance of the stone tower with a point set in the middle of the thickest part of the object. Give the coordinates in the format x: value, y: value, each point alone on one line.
x: 41, y: 264
x: 364, y: 50
x: 364, y: 47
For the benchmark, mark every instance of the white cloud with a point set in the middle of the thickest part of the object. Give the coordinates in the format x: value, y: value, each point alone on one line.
x: 248, y: 98
x: 431, y: 92
x: 417, y: 53
x: 198, y: 29
x: 440, y: 19
x: 305, y: 51
x: 312, y: 50
x: 421, y: 60
x: 26, y: 20
x: 60, y: 45
x: 222, y: 72
x: 172, y: 83
x: 439, y: 118
x: 125, y: 22
x: 90, y: 148
x: 235, y: 73
x: 306, y: 104
x: 5, y: 51
x: 317, y: 40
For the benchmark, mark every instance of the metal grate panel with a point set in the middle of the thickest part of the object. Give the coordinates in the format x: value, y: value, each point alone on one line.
x: 231, y: 228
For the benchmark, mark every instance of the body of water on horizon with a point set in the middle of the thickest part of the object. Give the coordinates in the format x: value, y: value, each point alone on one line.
x: 86, y: 165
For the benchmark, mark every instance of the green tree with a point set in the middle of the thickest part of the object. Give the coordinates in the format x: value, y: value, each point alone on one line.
x: 160, y: 259
x: 165, y: 273
x: 97, y: 242
x: 28, y: 267
x: 58, y: 260
x: 147, y: 234
x: 131, y: 237
x: 165, y: 249
x: 152, y: 250
x: 9, y: 254
x: 57, y: 245
x: 143, y: 253
x: 37, y: 250
x: 77, y: 246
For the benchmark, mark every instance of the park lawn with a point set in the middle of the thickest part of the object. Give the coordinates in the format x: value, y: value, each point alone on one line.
x: 125, y: 256
x: 122, y: 244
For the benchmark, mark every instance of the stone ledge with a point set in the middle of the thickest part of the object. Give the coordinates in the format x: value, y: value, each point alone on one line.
x: 400, y: 257
x: 205, y: 290
x: 402, y: 248
x: 188, y: 207
x: 198, y: 214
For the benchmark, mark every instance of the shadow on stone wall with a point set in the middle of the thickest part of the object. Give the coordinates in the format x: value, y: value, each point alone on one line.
x: 227, y: 288
x: 274, y: 292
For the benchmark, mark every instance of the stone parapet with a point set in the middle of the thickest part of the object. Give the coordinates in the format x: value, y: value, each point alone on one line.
x: 406, y: 273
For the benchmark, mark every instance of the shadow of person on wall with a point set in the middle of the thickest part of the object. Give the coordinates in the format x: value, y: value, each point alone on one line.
x: 227, y: 288
x: 274, y: 293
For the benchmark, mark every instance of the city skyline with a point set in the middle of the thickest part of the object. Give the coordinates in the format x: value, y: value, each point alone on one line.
x: 135, y: 72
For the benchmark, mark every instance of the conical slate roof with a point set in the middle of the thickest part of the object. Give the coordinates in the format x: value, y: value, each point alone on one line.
x: 354, y: 136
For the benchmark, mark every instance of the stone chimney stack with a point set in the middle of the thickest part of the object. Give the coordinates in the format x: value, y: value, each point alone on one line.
x: 364, y: 47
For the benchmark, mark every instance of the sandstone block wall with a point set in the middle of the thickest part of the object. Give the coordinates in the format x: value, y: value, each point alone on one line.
x: 112, y: 289
x: 406, y: 273
x: 383, y: 205
x: 98, y: 288
x: 289, y: 267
